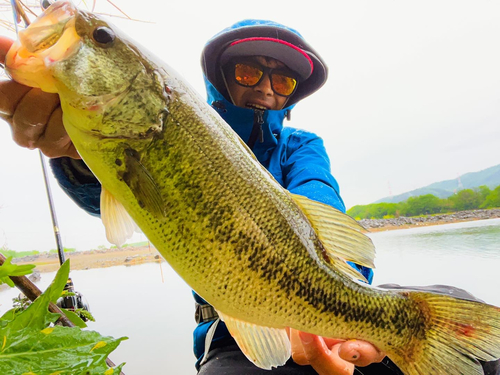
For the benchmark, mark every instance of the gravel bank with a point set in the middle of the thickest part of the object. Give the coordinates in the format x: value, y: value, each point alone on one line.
x: 408, y: 222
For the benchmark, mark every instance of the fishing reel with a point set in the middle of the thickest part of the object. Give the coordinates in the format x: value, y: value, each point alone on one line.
x: 75, y: 302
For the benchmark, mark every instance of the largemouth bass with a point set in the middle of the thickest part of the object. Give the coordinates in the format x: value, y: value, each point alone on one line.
x: 264, y: 258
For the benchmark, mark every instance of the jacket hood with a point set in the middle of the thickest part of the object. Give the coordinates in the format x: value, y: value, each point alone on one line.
x: 251, y: 28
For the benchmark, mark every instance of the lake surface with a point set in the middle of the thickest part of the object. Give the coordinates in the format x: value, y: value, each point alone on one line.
x: 151, y: 305
x: 465, y: 255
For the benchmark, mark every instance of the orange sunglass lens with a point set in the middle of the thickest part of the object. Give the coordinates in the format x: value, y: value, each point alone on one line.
x: 247, y: 75
x: 283, y: 85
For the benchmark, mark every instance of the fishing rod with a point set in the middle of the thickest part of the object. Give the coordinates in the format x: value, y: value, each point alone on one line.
x: 57, y: 234
x: 72, y: 300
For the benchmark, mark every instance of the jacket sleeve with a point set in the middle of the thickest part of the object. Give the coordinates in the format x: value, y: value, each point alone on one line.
x: 306, y: 171
x: 78, y: 182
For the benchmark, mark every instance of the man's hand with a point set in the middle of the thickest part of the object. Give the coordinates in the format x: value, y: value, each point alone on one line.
x: 35, y: 117
x: 330, y: 356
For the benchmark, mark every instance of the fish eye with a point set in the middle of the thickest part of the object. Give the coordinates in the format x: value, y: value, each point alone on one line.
x: 103, y: 35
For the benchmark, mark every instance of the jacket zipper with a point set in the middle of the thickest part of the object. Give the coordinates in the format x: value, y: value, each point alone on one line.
x: 257, y: 131
x: 260, y: 121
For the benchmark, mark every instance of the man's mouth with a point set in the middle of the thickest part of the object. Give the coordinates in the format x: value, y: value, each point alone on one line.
x: 256, y: 106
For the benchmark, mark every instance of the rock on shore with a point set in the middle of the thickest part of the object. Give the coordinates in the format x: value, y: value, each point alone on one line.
x: 405, y: 222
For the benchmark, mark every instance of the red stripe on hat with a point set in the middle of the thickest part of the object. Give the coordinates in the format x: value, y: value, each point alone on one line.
x: 301, y: 51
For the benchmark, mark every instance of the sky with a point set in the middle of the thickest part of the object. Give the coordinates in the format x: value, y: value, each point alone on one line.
x: 413, y: 97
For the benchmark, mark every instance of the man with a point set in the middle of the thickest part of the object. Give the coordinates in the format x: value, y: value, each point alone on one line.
x: 256, y: 71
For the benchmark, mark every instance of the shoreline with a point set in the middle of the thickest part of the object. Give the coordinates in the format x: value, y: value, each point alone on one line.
x: 89, y: 259
x: 130, y: 256
x: 377, y: 225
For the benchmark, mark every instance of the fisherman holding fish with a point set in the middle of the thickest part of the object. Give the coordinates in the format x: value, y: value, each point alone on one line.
x: 253, y: 81
x: 256, y: 71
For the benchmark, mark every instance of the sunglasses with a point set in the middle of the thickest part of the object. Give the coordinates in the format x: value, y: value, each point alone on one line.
x: 251, y: 75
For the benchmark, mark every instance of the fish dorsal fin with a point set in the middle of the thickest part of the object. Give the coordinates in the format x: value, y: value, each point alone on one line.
x: 118, y: 223
x: 264, y: 346
x: 340, y: 234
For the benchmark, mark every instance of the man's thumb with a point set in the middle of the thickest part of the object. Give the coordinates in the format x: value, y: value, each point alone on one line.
x: 5, y: 44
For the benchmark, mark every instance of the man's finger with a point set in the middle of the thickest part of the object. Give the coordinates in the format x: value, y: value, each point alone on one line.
x: 298, y: 354
x: 360, y: 353
x: 55, y: 142
x: 71, y: 151
x: 5, y: 44
x: 322, y: 359
x: 31, y: 117
x: 11, y: 94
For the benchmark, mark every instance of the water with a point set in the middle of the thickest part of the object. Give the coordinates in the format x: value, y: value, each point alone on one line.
x: 465, y: 255
x: 154, y: 307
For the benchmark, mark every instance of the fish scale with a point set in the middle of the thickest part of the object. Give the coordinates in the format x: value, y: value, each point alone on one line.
x: 264, y: 258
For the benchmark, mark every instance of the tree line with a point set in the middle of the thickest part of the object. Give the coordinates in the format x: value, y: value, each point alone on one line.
x: 6, y: 252
x: 467, y: 199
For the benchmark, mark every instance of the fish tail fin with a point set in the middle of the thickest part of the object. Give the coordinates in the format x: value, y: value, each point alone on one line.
x: 458, y: 333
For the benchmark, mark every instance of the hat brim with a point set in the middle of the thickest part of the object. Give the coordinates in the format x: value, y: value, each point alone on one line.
x: 293, y: 57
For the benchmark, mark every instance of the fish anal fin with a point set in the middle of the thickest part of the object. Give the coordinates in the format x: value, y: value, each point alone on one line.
x: 142, y: 184
x: 340, y: 234
x: 117, y: 222
x: 264, y: 346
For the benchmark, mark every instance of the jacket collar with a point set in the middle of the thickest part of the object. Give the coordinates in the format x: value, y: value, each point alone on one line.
x: 242, y: 120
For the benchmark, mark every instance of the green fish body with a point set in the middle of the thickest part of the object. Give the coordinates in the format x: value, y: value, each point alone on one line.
x: 264, y: 258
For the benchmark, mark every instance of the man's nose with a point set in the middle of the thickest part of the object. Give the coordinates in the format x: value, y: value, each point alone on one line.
x: 264, y: 85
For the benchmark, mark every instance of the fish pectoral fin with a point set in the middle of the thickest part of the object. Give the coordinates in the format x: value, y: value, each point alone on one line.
x: 117, y: 222
x: 340, y: 234
x: 143, y: 185
x: 264, y: 346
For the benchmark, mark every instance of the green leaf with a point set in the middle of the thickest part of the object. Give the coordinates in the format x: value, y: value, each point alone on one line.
x: 37, y: 315
x: 74, y: 318
x: 47, y: 351
x: 8, y: 269
x: 30, y: 344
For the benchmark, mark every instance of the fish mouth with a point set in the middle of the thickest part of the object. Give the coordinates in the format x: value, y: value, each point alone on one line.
x: 50, y: 38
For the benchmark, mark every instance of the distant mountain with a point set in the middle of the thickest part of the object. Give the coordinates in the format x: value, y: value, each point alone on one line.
x: 489, y: 177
